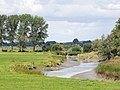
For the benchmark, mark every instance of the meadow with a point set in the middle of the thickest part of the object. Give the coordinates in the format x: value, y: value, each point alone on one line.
x: 10, y: 80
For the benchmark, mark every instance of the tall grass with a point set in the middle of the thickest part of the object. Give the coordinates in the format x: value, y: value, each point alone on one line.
x: 110, y: 69
x: 28, y: 62
x: 90, y: 55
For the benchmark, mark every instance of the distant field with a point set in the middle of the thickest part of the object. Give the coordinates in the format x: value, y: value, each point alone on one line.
x: 14, y: 81
x: 16, y: 49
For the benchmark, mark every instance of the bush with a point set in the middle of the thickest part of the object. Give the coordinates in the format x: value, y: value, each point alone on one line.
x: 57, y: 47
x: 4, y: 50
x: 76, y: 48
x: 87, y: 48
x: 25, y: 69
x: 74, y: 53
x: 110, y: 69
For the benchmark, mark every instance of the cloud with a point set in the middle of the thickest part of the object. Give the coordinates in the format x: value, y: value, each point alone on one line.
x: 19, y: 7
x: 113, y: 7
x: 67, y: 31
x: 85, y: 19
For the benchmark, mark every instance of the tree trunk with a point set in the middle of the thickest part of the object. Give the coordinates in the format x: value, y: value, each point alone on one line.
x: 34, y: 48
x: 12, y: 47
x: 22, y: 49
x: 1, y: 47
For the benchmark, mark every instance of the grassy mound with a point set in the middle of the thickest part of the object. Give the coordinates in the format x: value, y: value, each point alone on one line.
x: 110, y: 69
x: 26, y: 69
x: 26, y: 63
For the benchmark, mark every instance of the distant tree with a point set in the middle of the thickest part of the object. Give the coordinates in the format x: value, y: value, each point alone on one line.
x: 57, y: 47
x: 76, y: 41
x: 76, y: 48
x: 87, y: 47
x: 11, y: 26
x: 38, y: 31
x: 22, y: 33
x: 2, y: 29
x: 47, y: 47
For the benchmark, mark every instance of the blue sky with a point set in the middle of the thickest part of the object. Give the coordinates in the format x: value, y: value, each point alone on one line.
x: 69, y: 19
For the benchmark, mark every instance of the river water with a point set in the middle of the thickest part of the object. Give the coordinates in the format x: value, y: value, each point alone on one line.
x: 71, y: 71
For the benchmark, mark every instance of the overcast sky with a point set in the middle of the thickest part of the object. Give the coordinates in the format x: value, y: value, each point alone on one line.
x: 69, y: 19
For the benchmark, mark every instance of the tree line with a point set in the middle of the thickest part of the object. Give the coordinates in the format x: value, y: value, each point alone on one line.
x: 21, y: 29
x: 109, y: 46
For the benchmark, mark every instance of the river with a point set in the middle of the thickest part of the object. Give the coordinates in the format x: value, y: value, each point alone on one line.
x: 71, y: 71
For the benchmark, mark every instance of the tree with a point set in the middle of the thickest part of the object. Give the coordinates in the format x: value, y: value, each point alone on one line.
x: 57, y: 47
x: 87, y: 47
x: 47, y: 47
x: 12, y: 25
x: 2, y: 29
x: 76, y: 41
x: 111, y: 45
x: 22, y: 33
x: 97, y: 44
x: 76, y: 48
x: 38, y: 31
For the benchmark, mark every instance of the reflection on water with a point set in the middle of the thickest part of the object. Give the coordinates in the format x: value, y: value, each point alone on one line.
x: 69, y: 72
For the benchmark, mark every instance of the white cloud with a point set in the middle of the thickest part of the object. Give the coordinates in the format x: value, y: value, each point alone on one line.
x: 85, y: 19
x: 61, y: 30
x: 113, y: 6
x: 18, y: 7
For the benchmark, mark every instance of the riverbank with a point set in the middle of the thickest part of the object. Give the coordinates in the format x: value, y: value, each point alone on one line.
x: 110, y: 69
x: 91, y: 75
x: 75, y: 69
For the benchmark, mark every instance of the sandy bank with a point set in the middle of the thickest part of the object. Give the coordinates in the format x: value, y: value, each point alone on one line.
x: 91, y: 75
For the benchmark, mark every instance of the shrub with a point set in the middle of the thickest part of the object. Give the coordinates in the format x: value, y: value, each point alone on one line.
x: 110, y: 69
x: 25, y: 69
x: 74, y: 53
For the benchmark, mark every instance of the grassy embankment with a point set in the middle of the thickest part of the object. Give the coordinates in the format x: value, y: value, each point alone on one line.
x: 10, y: 80
x: 89, y: 55
x: 110, y: 69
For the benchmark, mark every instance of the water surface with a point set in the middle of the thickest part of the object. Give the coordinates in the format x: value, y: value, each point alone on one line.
x: 69, y: 72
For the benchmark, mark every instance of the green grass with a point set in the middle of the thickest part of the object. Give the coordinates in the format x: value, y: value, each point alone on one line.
x: 74, y: 52
x: 110, y: 69
x: 16, y: 49
x: 89, y: 55
x: 15, y: 81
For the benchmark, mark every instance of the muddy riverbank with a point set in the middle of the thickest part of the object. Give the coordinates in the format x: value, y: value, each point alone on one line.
x: 74, y: 68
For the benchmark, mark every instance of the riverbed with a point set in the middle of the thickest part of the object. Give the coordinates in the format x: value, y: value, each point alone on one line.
x: 75, y: 69
x: 71, y: 71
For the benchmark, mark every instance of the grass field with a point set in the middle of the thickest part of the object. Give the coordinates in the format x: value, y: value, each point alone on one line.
x: 15, y: 81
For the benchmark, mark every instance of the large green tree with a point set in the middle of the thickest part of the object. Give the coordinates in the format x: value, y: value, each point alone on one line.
x: 111, y: 45
x: 2, y: 29
x: 12, y: 26
x: 22, y: 33
x: 38, y: 31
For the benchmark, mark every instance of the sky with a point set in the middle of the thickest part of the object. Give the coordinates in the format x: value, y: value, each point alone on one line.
x: 69, y: 19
